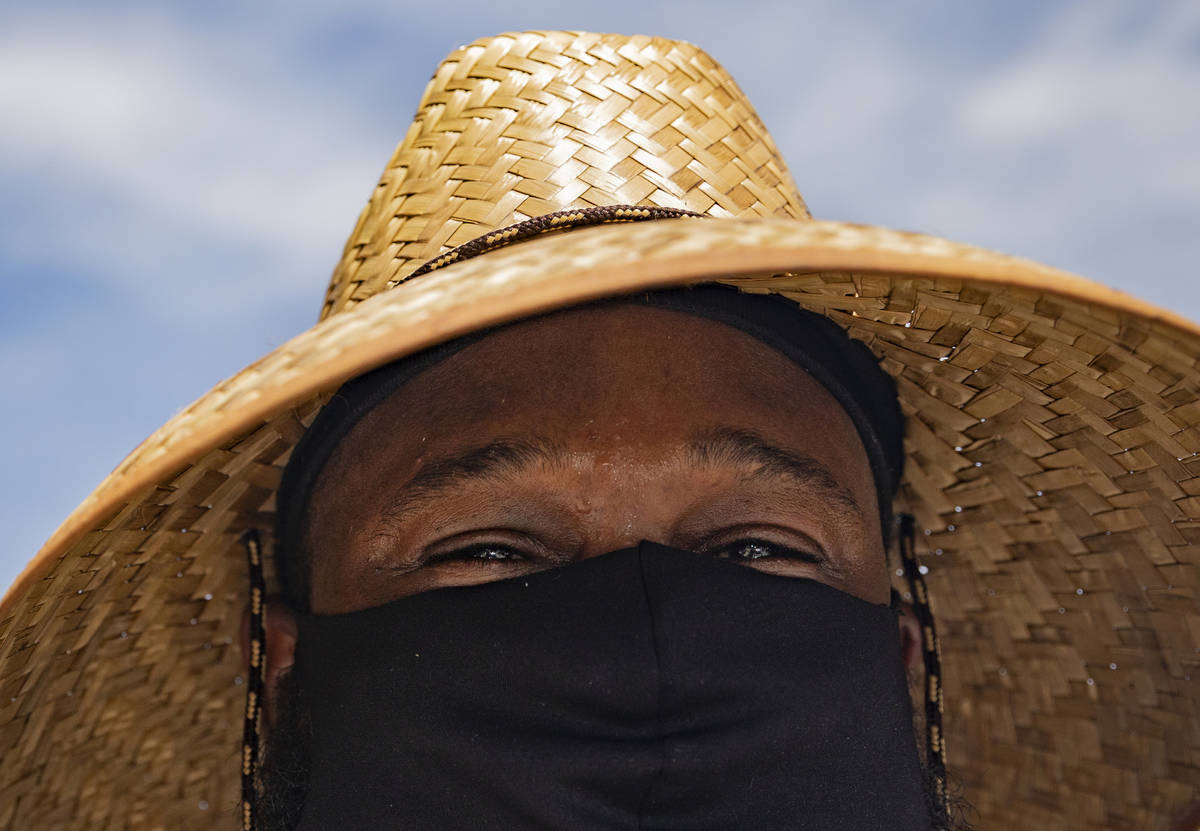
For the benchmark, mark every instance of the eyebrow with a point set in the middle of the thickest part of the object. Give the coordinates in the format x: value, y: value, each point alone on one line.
x: 495, y: 460
x: 719, y: 447
x: 733, y: 447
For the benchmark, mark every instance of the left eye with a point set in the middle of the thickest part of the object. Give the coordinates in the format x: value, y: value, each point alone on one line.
x: 481, y: 554
x: 750, y: 550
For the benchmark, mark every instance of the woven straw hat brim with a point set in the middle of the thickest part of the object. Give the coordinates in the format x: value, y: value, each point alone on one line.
x: 830, y: 267
x: 1053, y: 427
x: 1053, y: 433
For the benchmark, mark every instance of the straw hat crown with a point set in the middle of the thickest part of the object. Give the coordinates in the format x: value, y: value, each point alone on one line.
x: 521, y: 125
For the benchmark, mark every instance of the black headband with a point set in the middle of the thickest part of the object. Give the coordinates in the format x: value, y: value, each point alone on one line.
x: 844, y: 366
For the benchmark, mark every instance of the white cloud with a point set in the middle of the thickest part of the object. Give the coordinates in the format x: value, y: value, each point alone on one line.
x: 1093, y: 68
x: 1121, y: 97
x: 1080, y: 147
x: 147, y: 143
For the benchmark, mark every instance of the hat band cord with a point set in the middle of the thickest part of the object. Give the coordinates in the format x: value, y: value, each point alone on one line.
x: 931, y: 652
x: 538, y: 225
x: 251, y: 739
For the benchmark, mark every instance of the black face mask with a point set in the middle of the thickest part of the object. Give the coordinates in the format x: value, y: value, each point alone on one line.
x: 644, y: 689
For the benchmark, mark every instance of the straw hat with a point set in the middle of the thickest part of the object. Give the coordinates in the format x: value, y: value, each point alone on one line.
x: 1052, y: 451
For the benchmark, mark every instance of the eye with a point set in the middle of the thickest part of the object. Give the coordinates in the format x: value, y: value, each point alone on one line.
x: 749, y: 550
x: 484, y: 553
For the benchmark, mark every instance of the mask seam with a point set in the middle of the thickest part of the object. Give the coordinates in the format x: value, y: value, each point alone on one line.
x: 655, y: 632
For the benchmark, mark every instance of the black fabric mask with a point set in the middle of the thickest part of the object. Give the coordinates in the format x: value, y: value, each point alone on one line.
x: 649, y: 688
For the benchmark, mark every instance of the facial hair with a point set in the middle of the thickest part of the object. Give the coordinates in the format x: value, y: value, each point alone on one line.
x: 284, y: 772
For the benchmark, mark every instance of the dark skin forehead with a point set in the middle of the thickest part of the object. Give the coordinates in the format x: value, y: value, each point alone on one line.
x: 587, y: 431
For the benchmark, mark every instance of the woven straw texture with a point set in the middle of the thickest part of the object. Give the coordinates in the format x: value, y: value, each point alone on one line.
x: 516, y: 127
x: 1053, y: 439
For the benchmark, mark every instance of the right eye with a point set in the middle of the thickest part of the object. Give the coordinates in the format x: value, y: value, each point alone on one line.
x: 479, y: 554
x: 748, y: 550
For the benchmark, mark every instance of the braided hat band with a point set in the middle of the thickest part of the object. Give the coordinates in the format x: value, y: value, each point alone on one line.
x: 547, y: 223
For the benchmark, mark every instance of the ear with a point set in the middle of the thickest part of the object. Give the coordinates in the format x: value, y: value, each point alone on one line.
x: 279, y: 624
x: 910, y: 637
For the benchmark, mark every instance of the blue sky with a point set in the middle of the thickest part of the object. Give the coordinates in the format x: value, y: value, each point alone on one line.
x: 177, y: 179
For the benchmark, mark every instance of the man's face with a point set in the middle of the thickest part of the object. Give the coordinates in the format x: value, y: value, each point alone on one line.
x: 588, y: 431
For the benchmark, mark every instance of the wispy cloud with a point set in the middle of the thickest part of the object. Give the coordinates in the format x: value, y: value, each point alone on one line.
x: 1086, y: 149
x: 141, y: 144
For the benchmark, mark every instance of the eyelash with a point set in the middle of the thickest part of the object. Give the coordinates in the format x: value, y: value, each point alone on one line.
x: 473, y: 554
x: 784, y: 552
